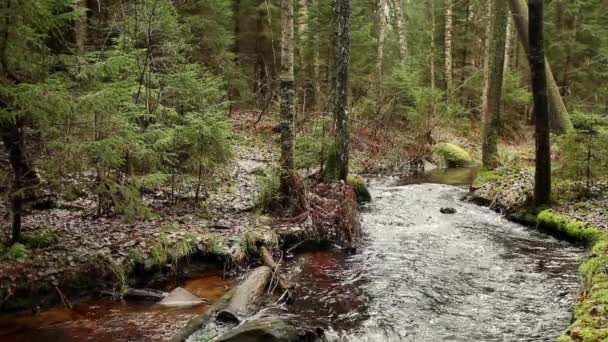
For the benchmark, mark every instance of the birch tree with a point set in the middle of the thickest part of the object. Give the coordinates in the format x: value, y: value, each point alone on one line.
x: 341, y: 42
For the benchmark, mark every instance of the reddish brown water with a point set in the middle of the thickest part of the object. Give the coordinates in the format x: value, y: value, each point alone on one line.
x: 106, y: 320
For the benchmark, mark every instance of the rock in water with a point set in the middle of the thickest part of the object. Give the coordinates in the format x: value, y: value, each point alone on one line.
x: 448, y: 211
x: 181, y: 297
x: 262, y: 330
x: 453, y: 155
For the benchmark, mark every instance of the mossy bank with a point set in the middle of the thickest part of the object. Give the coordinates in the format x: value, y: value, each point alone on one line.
x: 510, y: 192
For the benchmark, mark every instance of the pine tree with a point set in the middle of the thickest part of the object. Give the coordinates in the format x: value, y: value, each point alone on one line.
x: 542, y: 179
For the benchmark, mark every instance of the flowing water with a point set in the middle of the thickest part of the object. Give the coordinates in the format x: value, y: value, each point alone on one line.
x: 419, y: 276
x: 426, y: 276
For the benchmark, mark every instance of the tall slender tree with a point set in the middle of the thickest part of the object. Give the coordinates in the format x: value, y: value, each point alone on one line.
x: 341, y: 42
x: 381, y: 37
x: 288, y: 108
x: 448, y: 10
x: 542, y: 179
x: 560, y: 119
x: 491, y: 124
x: 401, y: 31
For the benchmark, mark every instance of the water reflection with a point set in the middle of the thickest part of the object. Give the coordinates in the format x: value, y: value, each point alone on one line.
x: 105, y: 320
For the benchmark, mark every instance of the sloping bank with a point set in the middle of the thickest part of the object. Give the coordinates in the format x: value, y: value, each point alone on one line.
x: 510, y: 192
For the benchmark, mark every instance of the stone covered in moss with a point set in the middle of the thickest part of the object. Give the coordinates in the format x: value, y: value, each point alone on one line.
x: 453, y: 155
x: 358, y: 185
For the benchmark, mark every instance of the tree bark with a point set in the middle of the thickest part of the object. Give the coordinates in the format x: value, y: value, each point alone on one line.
x: 560, y: 119
x: 81, y: 26
x: 381, y: 37
x: 341, y: 42
x: 302, y: 31
x: 448, y: 47
x: 401, y: 31
x: 288, y: 107
x: 542, y: 179
x: 246, y: 295
x: 486, y: 62
x: 497, y: 67
x: 433, y: 31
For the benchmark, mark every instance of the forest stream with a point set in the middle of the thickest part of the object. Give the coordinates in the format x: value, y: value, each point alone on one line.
x: 420, y: 276
x: 426, y: 276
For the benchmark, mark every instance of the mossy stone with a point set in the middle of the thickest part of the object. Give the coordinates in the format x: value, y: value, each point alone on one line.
x: 358, y: 185
x: 453, y: 155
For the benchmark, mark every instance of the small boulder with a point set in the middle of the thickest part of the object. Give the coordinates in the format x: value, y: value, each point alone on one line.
x: 181, y: 297
x: 448, y: 211
x: 358, y: 185
x: 453, y: 155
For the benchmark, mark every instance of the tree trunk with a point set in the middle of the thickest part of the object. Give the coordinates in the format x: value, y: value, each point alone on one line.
x: 287, y: 107
x: 302, y: 31
x: 497, y: 66
x: 542, y: 179
x: 246, y: 295
x: 341, y: 42
x: 508, y: 43
x: 25, y: 176
x: 81, y: 27
x: 486, y: 62
x: 317, y: 58
x: 381, y: 37
x: 560, y: 119
x: 433, y: 31
x: 448, y: 48
x: 401, y: 31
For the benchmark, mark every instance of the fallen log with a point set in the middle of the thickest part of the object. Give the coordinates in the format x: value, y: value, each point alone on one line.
x: 245, y: 295
x: 269, y: 261
x: 138, y: 294
x: 201, y: 320
x: 262, y: 330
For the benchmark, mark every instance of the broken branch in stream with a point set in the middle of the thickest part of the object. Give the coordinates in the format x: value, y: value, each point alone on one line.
x: 274, y: 266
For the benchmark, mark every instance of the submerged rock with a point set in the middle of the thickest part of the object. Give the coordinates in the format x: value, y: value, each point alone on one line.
x: 449, y: 211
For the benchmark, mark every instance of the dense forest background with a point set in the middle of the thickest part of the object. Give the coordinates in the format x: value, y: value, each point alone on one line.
x: 116, y: 98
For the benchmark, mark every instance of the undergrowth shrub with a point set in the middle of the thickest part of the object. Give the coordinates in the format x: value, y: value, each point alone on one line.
x: 583, y: 154
x: 268, y: 184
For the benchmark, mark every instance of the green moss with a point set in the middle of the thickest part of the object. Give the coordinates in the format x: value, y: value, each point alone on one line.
x: 589, y: 324
x: 249, y: 242
x: 453, y: 155
x: 486, y: 176
x: 358, y: 184
x: 571, y: 228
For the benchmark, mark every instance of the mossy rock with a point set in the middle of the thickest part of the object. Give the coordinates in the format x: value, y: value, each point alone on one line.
x: 358, y: 184
x: 453, y: 155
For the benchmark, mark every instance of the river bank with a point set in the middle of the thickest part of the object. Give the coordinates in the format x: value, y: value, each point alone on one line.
x: 76, y: 257
x: 583, y: 222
